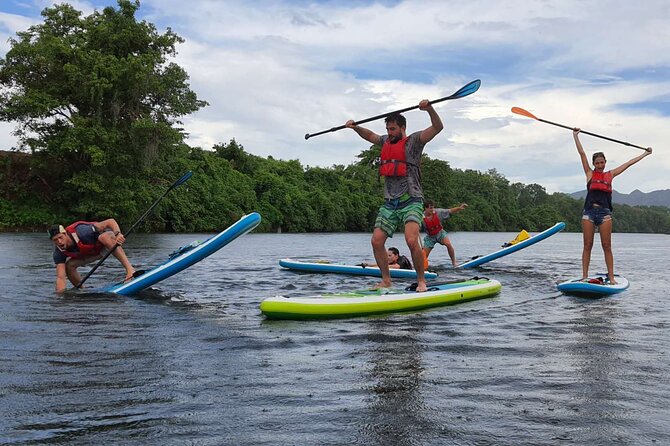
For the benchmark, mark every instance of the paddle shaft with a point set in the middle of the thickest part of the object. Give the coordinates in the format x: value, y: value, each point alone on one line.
x: 522, y: 112
x: 374, y: 118
x: 593, y: 134
x: 465, y: 91
x: 181, y: 180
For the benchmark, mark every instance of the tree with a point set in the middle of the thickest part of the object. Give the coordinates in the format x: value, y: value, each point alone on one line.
x: 94, y: 98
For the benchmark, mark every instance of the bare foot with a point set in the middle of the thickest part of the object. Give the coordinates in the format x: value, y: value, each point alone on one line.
x: 421, y: 287
x: 380, y: 285
x: 612, y: 282
x: 129, y: 276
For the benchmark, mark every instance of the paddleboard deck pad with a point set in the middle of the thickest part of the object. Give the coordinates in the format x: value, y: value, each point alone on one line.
x: 325, y: 266
x: 514, y: 248
x: 369, y: 302
x: 186, y: 257
x: 594, y: 286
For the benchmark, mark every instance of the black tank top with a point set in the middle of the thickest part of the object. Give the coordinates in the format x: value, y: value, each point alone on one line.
x: 599, y: 197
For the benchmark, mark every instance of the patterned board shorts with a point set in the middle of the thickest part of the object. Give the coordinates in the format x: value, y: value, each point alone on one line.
x: 388, y: 219
x: 430, y: 241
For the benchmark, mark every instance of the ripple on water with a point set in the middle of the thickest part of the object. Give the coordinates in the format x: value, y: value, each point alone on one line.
x: 194, y: 361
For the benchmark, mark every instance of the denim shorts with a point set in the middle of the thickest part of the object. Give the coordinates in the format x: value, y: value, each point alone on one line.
x: 597, y: 215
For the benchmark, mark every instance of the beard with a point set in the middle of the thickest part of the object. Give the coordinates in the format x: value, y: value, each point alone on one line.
x: 395, y: 139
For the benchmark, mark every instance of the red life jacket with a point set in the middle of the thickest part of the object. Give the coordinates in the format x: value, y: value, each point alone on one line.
x: 85, y: 249
x: 601, y: 181
x: 432, y: 224
x: 393, y: 160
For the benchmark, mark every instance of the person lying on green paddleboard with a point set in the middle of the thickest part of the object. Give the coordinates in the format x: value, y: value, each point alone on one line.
x: 598, y: 205
x: 81, y: 243
x: 395, y: 260
x: 403, y: 195
x: 432, y: 223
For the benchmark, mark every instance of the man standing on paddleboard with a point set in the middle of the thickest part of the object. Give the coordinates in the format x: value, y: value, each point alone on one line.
x: 83, y: 242
x: 432, y: 222
x: 403, y: 195
x: 598, y: 205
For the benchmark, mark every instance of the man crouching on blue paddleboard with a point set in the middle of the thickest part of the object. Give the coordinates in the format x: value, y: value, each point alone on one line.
x: 82, y: 243
x: 403, y: 195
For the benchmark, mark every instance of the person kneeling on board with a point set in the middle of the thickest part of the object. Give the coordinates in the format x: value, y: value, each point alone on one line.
x: 396, y: 261
x: 83, y: 242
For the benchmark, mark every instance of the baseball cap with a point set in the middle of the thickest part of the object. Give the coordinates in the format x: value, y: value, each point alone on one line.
x: 55, y: 229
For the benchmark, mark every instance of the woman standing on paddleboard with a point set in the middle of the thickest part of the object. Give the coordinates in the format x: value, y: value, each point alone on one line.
x: 598, y: 205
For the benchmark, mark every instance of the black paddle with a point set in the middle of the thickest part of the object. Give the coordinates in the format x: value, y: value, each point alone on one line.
x: 177, y: 183
x: 435, y: 286
x: 522, y: 112
x: 464, y: 91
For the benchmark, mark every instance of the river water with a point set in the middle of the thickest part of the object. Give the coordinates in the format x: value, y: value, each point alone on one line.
x: 196, y: 363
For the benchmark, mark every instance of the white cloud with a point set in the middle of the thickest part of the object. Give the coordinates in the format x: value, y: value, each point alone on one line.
x: 275, y: 70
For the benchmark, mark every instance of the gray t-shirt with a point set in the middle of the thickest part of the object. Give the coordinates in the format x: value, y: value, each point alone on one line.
x: 442, y: 214
x: 394, y: 187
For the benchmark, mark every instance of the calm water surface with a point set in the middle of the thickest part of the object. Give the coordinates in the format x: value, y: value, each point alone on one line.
x: 196, y: 363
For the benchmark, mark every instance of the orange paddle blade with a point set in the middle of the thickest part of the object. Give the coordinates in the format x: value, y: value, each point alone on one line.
x: 522, y: 112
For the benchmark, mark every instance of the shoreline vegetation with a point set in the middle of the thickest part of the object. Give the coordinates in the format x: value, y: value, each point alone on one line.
x: 229, y: 182
x: 97, y: 102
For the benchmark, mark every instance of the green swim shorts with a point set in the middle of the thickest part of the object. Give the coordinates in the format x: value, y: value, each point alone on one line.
x: 388, y: 218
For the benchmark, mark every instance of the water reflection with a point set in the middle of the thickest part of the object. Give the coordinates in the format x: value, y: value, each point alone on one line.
x: 598, y: 352
x: 395, y: 401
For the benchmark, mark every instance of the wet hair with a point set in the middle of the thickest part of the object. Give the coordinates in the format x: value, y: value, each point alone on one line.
x: 598, y: 155
x: 395, y: 251
x: 429, y: 204
x: 397, y: 118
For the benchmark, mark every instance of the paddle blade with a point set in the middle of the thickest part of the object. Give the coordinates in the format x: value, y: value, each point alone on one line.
x: 183, y: 179
x: 522, y: 112
x: 467, y: 89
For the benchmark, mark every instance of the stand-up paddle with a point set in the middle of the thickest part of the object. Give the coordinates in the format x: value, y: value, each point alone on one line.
x: 177, y: 183
x: 522, y: 112
x: 466, y: 90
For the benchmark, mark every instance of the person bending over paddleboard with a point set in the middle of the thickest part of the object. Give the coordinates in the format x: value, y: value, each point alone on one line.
x: 598, y: 205
x: 403, y: 195
x: 83, y: 242
x: 432, y: 223
x: 395, y: 260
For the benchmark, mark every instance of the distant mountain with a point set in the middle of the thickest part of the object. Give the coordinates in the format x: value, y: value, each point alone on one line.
x: 635, y: 198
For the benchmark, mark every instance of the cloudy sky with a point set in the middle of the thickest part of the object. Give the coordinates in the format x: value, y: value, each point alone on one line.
x: 273, y: 71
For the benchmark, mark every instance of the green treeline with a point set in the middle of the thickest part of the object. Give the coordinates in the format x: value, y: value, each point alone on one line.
x: 229, y: 182
x: 97, y: 103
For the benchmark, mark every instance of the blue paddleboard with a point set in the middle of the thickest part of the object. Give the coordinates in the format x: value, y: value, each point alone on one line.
x: 187, y: 257
x: 324, y: 266
x: 594, y: 286
x: 514, y: 248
